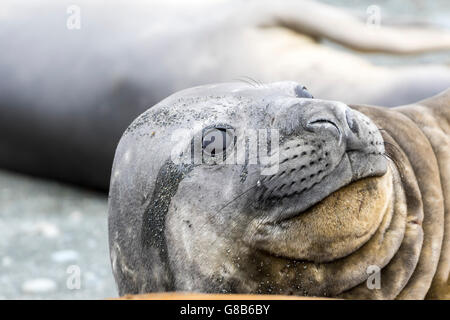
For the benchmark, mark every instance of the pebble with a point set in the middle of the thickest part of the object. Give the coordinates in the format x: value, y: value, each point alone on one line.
x: 76, y: 216
x: 46, y: 229
x: 6, y: 261
x: 92, y: 243
x: 65, y: 256
x: 39, y: 285
x: 91, y: 278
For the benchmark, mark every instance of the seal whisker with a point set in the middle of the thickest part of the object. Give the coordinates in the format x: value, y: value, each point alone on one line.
x: 388, y: 145
x: 231, y: 201
x: 242, y: 79
x: 237, y: 197
x: 254, y: 81
x: 239, y: 245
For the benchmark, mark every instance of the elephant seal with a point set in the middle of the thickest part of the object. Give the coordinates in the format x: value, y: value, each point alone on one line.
x: 67, y: 94
x: 296, y: 196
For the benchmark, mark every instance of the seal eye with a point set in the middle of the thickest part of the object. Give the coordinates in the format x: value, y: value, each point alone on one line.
x: 302, y: 92
x: 216, y: 141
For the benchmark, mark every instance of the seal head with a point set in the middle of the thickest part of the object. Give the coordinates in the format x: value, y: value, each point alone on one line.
x: 235, y: 188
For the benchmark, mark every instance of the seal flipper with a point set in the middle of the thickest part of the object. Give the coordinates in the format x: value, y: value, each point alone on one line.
x: 347, y: 30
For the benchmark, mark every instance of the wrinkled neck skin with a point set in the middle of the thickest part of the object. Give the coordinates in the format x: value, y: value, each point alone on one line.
x: 421, y: 135
x: 393, y: 223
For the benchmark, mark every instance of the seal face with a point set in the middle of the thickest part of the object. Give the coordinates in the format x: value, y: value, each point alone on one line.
x: 211, y: 186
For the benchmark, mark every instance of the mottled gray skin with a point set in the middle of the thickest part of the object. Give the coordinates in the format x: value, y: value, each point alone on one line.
x: 66, y: 96
x: 175, y: 227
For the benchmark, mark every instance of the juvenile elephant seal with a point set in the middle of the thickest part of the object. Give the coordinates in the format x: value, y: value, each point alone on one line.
x: 327, y: 193
x: 67, y: 94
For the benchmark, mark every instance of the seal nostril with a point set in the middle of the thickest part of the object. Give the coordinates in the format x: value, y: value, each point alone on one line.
x: 352, y: 124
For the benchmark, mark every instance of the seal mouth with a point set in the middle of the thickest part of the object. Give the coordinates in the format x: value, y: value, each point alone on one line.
x: 328, y: 229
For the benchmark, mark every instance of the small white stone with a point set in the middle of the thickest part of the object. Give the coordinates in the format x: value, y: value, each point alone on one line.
x: 64, y: 256
x: 46, y: 229
x: 39, y: 285
x: 91, y: 277
x: 6, y: 261
x: 91, y: 243
x: 76, y: 216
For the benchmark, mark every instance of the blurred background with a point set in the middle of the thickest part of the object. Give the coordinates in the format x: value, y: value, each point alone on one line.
x: 398, y: 12
x: 53, y: 235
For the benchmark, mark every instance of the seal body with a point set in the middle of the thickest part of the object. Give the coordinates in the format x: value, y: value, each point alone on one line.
x: 336, y: 192
x: 67, y: 94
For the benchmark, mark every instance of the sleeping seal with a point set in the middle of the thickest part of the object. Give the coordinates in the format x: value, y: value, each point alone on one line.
x: 231, y: 188
x: 67, y: 95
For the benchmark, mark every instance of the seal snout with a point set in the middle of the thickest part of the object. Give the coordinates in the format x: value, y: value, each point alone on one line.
x: 352, y: 129
x: 331, y: 147
x: 327, y: 159
x: 302, y: 164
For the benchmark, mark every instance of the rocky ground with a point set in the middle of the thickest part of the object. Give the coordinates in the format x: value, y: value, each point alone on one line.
x: 52, y: 238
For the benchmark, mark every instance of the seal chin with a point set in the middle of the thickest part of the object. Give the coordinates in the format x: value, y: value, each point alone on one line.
x: 330, y: 229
